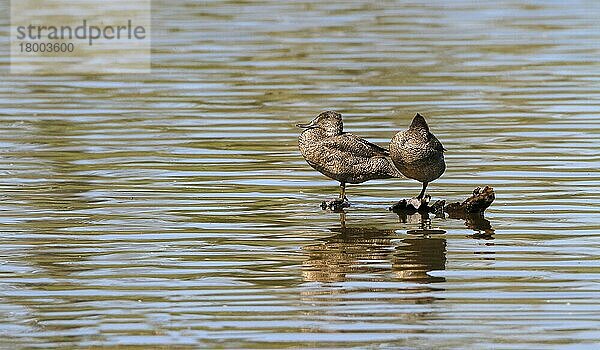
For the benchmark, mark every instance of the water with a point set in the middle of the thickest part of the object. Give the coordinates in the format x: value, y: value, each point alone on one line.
x: 174, y: 209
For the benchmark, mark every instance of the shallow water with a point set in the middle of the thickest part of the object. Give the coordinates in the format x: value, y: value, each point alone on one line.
x: 175, y: 209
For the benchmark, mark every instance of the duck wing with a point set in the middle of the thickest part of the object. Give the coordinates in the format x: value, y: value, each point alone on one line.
x: 354, y: 145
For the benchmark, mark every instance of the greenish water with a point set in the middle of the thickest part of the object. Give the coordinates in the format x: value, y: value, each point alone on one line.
x: 174, y: 209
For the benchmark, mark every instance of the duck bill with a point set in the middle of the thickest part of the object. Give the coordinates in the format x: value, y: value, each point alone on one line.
x: 307, y: 125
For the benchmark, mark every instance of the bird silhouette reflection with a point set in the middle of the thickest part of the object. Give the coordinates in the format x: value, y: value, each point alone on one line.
x: 369, y: 253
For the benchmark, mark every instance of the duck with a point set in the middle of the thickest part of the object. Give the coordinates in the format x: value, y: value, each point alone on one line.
x: 342, y: 156
x: 418, y: 154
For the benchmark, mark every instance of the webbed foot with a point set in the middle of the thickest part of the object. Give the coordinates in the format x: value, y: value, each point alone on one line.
x: 335, y: 205
x: 412, y: 204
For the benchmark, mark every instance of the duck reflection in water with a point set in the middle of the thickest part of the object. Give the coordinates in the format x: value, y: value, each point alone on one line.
x: 371, y: 253
x: 416, y: 257
x: 376, y: 255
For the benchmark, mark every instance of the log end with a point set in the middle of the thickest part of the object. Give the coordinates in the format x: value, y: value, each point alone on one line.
x: 477, y: 203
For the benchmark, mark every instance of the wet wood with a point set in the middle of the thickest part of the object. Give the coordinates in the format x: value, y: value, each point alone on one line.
x: 477, y: 203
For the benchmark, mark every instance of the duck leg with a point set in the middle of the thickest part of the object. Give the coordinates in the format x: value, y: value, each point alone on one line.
x: 420, y: 200
x: 414, y: 204
x: 343, y: 191
x: 422, y: 194
x: 340, y: 203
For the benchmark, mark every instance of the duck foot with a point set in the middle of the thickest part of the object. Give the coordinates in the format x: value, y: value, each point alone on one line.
x: 412, y: 205
x: 335, y: 205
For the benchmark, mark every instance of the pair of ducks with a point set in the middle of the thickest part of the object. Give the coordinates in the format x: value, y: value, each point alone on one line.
x: 415, y: 153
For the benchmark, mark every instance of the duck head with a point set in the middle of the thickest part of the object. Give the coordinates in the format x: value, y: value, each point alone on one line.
x: 419, y: 130
x: 329, y: 122
x: 419, y: 124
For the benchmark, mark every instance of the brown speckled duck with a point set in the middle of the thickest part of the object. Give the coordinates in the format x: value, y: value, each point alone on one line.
x: 342, y: 156
x: 418, y: 154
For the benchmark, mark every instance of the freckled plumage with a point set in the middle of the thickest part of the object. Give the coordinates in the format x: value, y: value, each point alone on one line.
x: 417, y: 153
x: 342, y: 156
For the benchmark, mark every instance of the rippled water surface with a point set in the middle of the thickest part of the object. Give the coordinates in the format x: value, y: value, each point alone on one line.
x: 174, y: 209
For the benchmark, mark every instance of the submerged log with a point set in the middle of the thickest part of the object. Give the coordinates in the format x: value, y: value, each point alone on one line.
x: 478, y: 202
